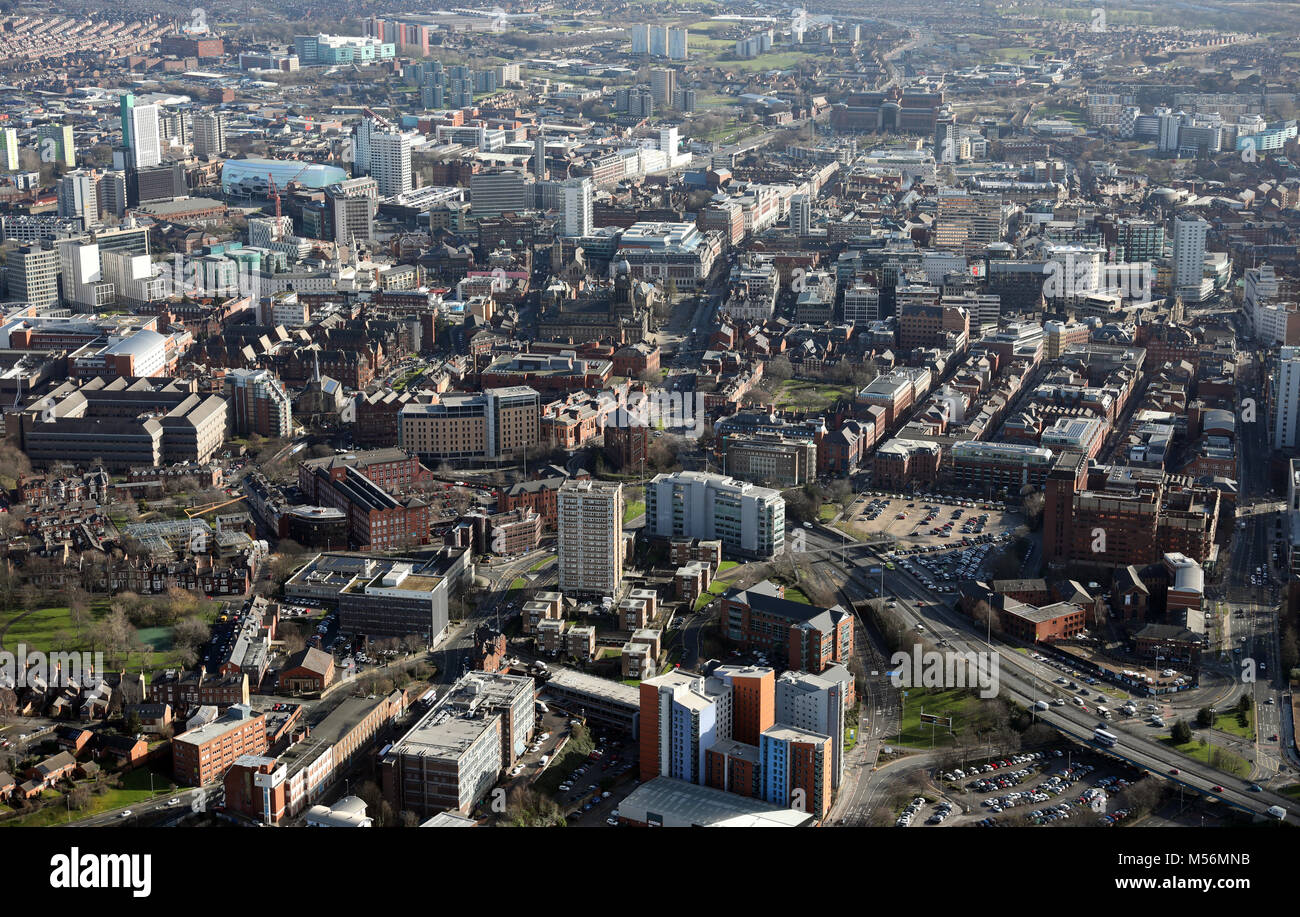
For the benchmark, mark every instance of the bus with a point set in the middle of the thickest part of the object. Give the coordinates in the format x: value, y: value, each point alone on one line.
x: 1102, y: 737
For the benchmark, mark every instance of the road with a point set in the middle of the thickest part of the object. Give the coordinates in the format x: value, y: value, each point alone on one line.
x: 453, y: 653
x: 1025, y: 681
x: 142, y: 812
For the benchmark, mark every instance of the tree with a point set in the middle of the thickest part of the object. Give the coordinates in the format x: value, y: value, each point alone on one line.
x: 294, y: 642
x: 528, y: 808
x: 1032, y: 505
x: 371, y: 795
x: 191, y: 633
x: 79, y: 796
x: 1205, y: 718
x: 778, y: 369
x: 1144, y: 796
x: 1181, y: 733
x: 13, y: 462
x: 115, y: 633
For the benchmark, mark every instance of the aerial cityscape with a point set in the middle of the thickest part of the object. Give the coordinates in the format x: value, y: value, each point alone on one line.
x: 668, y: 414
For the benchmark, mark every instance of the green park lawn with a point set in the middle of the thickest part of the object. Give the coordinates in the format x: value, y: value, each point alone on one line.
x: 51, y: 630
x: 958, y: 703
x: 716, y: 590
x: 1229, y: 722
x: 133, y: 791
x: 809, y: 396
x: 633, y: 509
x: 1218, y: 758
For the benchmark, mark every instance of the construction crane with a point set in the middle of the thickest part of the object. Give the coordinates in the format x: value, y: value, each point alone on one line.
x: 273, y: 192
x: 204, y: 510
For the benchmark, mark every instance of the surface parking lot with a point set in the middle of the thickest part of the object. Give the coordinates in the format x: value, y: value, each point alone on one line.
x: 932, y: 520
x: 943, y: 570
x: 1037, y: 788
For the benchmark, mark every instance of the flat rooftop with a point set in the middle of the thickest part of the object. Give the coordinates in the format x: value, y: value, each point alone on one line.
x: 682, y: 804
x: 442, y: 733
x: 582, y: 683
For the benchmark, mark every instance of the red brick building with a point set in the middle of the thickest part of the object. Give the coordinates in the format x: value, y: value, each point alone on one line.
x: 923, y: 325
x: 255, y: 788
x: 308, y: 671
x: 633, y: 359
x: 1114, y: 516
x: 376, y: 519
x: 202, y: 756
x: 391, y: 469
x: 807, y: 637
x: 539, y: 496
x: 902, y: 463
x: 182, y: 690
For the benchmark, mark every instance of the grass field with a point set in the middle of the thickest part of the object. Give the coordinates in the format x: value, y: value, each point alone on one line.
x: 38, y: 630
x: 710, y: 101
x: 795, y: 594
x: 541, y: 563
x: 809, y: 396
x: 134, y: 790
x: 827, y: 512
x: 781, y: 60
x: 49, y: 630
x: 633, y: 509
x: 714, y: 591
x: 1073, y: 115
x: 960, y: 704
x: 1230, y: 722
x: 1218, y: 758
x: 1016, y: 53
x: 856, y: 532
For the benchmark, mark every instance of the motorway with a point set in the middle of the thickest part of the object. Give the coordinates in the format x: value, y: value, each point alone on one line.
x: 1021, y: 679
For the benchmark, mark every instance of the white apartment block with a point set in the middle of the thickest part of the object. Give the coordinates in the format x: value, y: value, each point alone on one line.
x: 749, y: 520
x: 1286, y: 398
x: 589, y: 529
